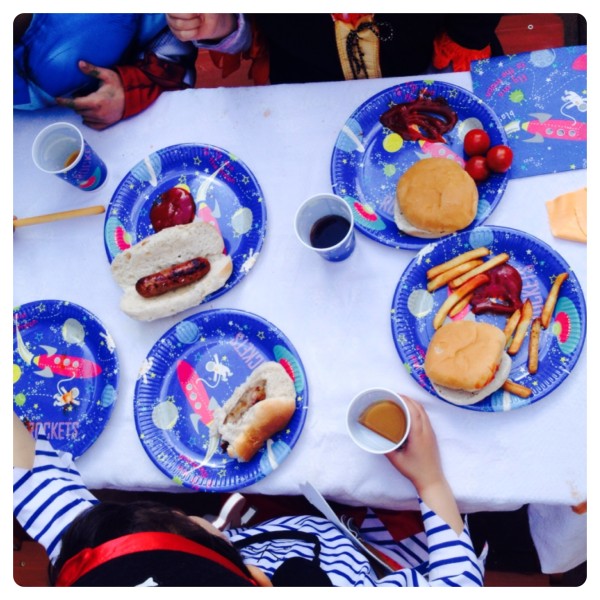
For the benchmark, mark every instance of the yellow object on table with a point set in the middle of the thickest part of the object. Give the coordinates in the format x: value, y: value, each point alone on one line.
x: 568, y: 216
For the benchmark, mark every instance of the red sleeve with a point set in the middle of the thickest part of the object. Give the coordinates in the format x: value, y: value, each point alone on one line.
x: 146, y: 80
x: 446, y: 52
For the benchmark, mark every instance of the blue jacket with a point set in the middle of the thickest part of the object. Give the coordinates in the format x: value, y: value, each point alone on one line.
x: 46, y: 57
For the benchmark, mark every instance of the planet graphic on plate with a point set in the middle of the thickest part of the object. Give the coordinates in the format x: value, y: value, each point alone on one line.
x: 350, y: 137
x: 290, y: 364
x: 392, y: 142
x: 365, y: 215
x: 73, y: 332
x: 566, y: 325
x: 108, y: 396
x: 420, y: 303
x: 481, y: 237
x: 116, y: 236
x: 273, y: 456
x: 148, y: 169
x: 165, y: 415
x: 241, y: 221
x: 187, y: 332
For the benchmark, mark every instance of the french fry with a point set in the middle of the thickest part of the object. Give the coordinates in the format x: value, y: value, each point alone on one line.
x: 522, y: 327
x: 534, y: 346
x: 517, y: 389
x: 443, y: 278
x: 457, y: 295
x: 460, y: 305
x: 511, y: 325
x: 486, y: 266
x: 457, y: 260
x: 552, y: 299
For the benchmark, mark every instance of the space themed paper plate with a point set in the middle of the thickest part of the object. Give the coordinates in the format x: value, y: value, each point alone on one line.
x: 413, y: 309
x: 368, y: 159
x: 225, y: 193
x: 65, y: 373
x: 195, y: 366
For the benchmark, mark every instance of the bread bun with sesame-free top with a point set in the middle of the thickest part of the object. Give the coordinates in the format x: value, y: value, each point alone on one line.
x: 466, y: 361
x: 257, y: 409
x: 171, y: 271
x: 435, y: 197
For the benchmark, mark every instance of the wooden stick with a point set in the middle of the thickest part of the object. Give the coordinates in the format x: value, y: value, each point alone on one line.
x: 59, y: 216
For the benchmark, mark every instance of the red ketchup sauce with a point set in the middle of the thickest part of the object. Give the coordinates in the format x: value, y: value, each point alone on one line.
x: 502, y: 294
x: 176, y: 206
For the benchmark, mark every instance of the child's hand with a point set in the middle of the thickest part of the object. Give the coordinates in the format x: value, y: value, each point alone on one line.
x: 188, y: 27
x: 419, y: 458
x: 106, y: 105
x: 419, y: 461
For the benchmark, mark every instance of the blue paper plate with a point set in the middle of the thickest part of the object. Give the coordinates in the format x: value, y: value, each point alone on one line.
x: 225, y: 191
x: 368, y: 159
x: 65, y: 373
x: 413, y: 309
x: 205, y: 357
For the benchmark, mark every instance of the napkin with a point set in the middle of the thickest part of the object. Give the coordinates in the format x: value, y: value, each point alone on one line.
x: 567, y: 214
x: 559, y: 535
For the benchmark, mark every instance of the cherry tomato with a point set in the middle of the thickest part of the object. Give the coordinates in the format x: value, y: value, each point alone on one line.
x: 499, y: 158
x: 476, y: 142
x: 477, y: 168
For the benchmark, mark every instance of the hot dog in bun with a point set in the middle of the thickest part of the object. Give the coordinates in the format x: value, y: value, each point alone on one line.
x: 466, y: 361
x: 435, y: 197
x: 257, y: 409
x: 171, y: 271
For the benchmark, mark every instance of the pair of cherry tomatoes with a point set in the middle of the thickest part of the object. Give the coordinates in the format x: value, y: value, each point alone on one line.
x: 483, y: 158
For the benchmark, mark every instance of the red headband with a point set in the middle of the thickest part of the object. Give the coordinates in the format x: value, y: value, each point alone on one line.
x: 90, y: 558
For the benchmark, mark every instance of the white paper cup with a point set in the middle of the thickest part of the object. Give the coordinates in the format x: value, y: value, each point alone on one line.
x: 364, y: 437
x: 310, y: 215
x: 61, y: 150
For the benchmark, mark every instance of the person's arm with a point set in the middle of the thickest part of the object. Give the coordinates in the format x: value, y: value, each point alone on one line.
x: 452, y: 560
x: 466, y: 37
x: 23, y: 445
x: 419, y: 461
x: 48, y: 492
x: 125, y: 90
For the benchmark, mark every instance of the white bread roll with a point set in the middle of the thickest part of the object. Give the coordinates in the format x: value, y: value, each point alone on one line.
x: 247, y: 434
x: 466, y: 361
x: 170, y: 246
x: 435, y: 197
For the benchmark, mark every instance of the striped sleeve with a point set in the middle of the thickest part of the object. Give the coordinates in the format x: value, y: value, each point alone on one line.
x: 452, y: 558
x: 48, y: 497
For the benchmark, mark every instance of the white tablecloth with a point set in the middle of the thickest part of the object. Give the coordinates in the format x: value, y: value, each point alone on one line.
x: 337, y: 315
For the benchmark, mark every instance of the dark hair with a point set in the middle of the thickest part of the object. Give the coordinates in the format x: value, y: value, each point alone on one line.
x: 109, y: 520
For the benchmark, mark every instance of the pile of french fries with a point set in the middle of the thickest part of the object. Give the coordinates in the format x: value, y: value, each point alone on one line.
x: 463, y: 274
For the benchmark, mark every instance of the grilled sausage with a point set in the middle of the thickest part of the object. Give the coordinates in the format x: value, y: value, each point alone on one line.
x: 173, y: 277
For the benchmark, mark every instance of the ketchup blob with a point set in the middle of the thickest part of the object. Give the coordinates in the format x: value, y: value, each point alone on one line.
x: 502, y: 293
x: 176, y: 206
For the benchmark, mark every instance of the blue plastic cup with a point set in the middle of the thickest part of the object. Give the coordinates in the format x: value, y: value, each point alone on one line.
x: 325, y: 224
x: 61, y: 150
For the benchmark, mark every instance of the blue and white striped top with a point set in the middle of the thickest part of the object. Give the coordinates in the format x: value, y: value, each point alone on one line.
x: 437, y: 557
x: 48, y: 497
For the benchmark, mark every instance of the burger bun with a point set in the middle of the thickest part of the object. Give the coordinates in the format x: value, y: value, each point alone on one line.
x: 466, y: 361
x: 435, y: 197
